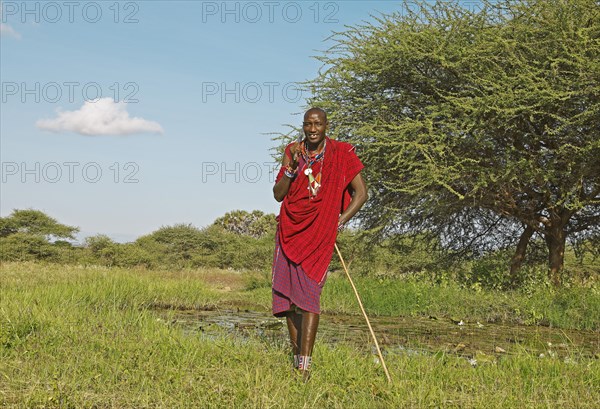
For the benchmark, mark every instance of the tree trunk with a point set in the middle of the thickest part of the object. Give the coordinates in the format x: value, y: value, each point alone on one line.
x: 519, y: 256
x: 555, y: 240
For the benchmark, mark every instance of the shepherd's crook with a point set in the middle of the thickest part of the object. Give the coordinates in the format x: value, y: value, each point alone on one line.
x: 387, y: 374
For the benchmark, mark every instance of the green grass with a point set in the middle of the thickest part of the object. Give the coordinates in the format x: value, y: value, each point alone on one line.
x: 575, y: 307
x: 84, y: 337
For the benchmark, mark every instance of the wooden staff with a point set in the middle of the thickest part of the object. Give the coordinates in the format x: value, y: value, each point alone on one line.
x: 387, y: 374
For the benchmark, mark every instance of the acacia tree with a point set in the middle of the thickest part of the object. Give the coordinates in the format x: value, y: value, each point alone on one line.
x: 480, y: 125
x: 35, y: 223
x: 255, y: 224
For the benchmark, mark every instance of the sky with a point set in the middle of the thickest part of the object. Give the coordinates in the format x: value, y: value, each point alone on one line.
x: 122, y: 117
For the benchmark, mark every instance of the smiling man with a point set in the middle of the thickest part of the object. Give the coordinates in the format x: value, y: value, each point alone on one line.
x: 321, y: 188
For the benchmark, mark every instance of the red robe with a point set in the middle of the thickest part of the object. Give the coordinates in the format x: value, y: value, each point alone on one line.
x: 308, y: 226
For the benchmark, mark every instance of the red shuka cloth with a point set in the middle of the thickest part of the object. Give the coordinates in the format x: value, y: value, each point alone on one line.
x: 308, y: 226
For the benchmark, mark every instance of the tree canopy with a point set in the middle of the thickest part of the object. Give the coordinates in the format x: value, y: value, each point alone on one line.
x: 255, y: 224
x: 35, y: 222
x: 478, y: 126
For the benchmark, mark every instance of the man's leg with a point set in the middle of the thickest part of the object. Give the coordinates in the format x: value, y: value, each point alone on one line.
x: 294, y: 324
x: 310, y: 324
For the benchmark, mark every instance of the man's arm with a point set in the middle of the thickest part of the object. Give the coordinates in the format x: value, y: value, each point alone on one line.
x: 282, y: 187
x: 359, y: 198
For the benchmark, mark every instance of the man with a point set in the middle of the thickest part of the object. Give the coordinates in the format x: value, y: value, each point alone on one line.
x: 321, y: 187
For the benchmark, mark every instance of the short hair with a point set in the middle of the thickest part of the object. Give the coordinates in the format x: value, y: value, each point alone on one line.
x: 317, y: 109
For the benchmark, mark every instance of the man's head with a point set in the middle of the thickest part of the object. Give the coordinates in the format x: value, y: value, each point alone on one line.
x: 314, y: 126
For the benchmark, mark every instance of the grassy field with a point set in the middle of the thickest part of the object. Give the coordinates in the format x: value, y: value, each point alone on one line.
x: 90, y: 337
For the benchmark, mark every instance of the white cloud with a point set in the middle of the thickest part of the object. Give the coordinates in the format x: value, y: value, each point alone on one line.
x: 8, y: 31
x: 103, y: 117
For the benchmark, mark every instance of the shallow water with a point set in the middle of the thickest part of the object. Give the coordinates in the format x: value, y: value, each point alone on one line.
x: 400, y: 335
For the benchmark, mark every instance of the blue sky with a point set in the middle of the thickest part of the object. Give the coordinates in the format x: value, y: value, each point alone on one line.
x: 189, y: 91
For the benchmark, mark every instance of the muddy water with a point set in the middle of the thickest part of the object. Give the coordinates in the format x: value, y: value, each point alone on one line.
x: 401, y: 335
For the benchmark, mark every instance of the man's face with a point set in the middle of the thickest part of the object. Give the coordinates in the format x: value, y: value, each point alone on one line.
x: 314, y: 126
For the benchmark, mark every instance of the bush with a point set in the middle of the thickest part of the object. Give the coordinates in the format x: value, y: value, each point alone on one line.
x: 393, y: 257
x: 26, y: 247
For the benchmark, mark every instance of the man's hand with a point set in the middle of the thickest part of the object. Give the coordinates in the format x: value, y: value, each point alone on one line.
x: 295, y: 150
x: 291, y: 165
x: 359, y: 198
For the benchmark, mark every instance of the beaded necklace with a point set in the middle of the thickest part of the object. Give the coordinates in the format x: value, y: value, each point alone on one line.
x: 314, y: 183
